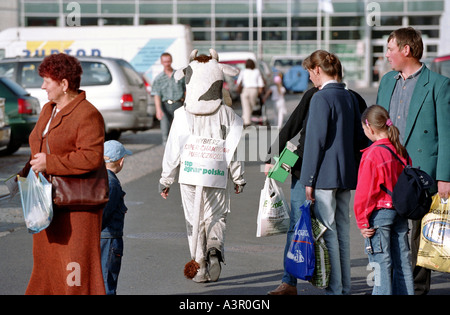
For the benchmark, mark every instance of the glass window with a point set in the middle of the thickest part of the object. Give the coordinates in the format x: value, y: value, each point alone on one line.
x: 155, y: 20
x: 232, y: 35
x: 424, y: 6
x: 273, y: 7
x: 37, y: 21
x: 346, y: 21
x: 430, y: 33
x: 304, y: 35
x: 43, y: 7
x: 424, y: 20
x: 195, y: 22
x: 391, y: 6
x: 95, y: 73
x: 194, y: 8
x: 224, y: 7
x: 201, y: 36
x: 29, y: 75
x: 348, y: 7
x: 304, y: 21
x: 117, y: 21
x: 110, y: 8
x: 84, y: 7
x: 273, y: 22
x: 302, y: 7
x: 341, y: 34
x: 391, y: 20
x: 232, y: 22
x: 133, y: 77
x: 89, y: 21
x: 273, y: 35
x: 8, y: 70
x: 156, y: 8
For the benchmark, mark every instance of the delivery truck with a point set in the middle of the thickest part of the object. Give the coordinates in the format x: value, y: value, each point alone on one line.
x: 141, y: 46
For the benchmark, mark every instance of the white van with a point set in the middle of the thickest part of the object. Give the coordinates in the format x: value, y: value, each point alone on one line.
x: 141, y: 46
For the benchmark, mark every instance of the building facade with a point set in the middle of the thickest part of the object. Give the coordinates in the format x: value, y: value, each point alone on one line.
x: 356, y: 30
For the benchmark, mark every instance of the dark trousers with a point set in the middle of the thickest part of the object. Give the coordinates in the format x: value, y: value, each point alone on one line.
x: 422, y: 276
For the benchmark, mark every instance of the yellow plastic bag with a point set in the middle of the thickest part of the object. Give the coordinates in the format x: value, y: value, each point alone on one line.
x: 434, y: 248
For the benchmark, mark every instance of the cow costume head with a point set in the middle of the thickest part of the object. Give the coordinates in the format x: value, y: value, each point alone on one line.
x: 204, y: 82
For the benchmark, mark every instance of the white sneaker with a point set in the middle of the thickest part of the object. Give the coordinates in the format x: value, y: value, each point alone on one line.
x: 214, y: 265
x: 202, y: 274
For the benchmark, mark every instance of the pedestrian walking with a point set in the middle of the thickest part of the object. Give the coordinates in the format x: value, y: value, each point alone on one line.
x: 111, y: 242
x: 418, y: 102
x: 169, y: 95
x: 277, y: 91
x: 252, y: 87
x: 200, y: 147
x: 385, y: 232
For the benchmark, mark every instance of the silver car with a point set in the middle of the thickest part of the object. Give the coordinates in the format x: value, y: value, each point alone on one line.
x: 111, y: 85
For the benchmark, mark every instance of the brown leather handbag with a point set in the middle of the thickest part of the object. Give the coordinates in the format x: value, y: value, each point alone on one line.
x: 88, y: 191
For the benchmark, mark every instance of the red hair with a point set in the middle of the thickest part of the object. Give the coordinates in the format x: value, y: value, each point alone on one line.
x: 62, y: 66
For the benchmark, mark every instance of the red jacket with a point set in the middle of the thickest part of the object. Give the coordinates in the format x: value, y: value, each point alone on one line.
x: 378, y: 166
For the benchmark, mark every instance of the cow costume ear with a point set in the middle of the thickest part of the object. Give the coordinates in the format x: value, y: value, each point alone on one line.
x: 179, y: 74
x: 228, y: 70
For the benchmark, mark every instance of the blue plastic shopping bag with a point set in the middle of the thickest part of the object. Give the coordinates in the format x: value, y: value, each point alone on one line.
x: 300, y: 259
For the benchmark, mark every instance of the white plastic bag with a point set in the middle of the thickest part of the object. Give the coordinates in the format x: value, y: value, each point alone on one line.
x: 36, y: 197
x: 273, y: 213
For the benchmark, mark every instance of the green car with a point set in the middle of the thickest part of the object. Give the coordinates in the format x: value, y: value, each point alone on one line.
x: 22, y: 110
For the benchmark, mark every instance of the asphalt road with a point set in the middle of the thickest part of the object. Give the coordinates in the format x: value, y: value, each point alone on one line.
x: 155, y: 243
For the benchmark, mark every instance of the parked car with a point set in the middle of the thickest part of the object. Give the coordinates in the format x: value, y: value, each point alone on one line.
x: 284, y: 63
x: 5, y: 129
x: 441, y: 65
x: 111, y: 84
x: 238, y: 60
x: 22, y: 111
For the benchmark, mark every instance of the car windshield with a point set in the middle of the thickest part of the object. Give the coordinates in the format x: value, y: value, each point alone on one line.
x: 132, y: 76
x: 14, y: 87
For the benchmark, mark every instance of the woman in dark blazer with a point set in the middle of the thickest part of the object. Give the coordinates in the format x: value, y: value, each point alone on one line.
x: 329, y: 169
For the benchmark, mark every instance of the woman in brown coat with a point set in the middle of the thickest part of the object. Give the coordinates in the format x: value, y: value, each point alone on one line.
x: 67, y: 253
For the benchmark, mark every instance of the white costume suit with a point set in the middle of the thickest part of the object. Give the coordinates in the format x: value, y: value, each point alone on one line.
x: 208, y: 206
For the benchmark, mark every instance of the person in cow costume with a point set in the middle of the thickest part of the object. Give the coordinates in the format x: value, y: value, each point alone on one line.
x: 200, y: 148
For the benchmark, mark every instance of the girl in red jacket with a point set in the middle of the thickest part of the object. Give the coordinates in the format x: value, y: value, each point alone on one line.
x: 384, y: 231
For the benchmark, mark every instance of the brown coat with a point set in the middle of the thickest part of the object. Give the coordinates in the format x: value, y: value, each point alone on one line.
x: 75, y: 137
x: 66, y: 255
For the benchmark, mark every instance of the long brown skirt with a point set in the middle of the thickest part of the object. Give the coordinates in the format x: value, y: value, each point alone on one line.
x: 66, y: 255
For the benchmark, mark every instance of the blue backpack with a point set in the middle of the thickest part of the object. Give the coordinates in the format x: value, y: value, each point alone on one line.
x: 411, y: 194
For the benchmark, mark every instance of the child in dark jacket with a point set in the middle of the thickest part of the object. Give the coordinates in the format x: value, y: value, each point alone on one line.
x: 384, y: 231
x: 111, y: 241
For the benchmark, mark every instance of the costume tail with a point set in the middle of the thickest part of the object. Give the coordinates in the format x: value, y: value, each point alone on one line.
x: 192, y: 267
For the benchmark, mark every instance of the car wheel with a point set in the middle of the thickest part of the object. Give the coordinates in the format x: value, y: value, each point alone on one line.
x: 12, y: 147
